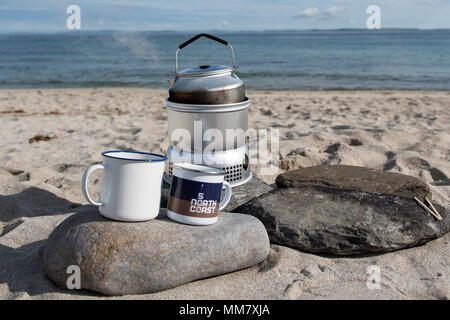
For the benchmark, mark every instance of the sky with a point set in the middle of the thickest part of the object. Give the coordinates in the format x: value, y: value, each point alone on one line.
x: 231, y: 15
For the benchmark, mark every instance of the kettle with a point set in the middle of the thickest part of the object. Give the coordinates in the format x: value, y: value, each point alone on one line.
x: 206, y: 84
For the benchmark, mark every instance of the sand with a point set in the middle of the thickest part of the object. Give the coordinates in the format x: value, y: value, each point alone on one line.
x: 400, y: 131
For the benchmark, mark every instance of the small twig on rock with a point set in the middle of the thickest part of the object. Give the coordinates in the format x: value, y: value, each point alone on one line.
x: 432, y: 207
x: 426, y: 208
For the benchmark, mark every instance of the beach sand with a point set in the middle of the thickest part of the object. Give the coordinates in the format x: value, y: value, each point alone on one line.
x: 400, y: 131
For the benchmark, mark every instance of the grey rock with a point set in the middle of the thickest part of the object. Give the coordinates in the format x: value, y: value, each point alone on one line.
x: 246, y: 192
x: 344, y: 222
x: 240, y: 194
x: 117, y: 258
x: 355, y: 178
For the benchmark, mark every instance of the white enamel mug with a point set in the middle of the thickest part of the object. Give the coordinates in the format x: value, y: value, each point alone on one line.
x: 131, y: 185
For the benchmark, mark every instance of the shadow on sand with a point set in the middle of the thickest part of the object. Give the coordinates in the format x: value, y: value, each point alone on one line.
x: 21, y: 268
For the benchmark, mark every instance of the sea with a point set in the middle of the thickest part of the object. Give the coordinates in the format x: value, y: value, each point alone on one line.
x: 268, y: 60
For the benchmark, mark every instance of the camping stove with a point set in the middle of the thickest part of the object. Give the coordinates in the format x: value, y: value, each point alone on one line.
x: 209, y: 101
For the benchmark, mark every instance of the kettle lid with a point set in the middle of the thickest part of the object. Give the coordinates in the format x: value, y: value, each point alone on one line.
x: 204, y: 71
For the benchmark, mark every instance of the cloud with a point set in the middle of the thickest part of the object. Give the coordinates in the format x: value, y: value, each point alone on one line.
x: 333, y: 10
x: 307, y: 13
x: 316, y: 13
x: 225, y: 22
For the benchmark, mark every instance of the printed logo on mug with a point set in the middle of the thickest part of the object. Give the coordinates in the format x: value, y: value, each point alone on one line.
x: 195, y: 194
x: 131, y: 185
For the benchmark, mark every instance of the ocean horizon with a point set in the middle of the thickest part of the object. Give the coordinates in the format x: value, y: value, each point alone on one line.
x: 340, y: 59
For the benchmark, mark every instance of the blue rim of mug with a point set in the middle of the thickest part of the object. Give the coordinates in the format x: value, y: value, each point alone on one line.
x: 107, y: 155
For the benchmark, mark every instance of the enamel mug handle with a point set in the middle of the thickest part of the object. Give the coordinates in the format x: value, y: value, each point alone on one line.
x: 227, y: 196
x: 85, y: 180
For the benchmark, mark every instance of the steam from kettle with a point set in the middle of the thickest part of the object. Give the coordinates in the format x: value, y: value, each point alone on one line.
x: 138, y: 44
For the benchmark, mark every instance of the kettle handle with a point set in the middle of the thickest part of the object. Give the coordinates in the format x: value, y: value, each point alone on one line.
x: 209, y: 36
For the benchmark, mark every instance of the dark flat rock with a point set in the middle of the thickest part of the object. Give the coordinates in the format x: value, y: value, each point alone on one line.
x: 244, y: 193
x: 344, y: 222
x: 117, y: 258
x: 355, y: 178
x: 240, y: 194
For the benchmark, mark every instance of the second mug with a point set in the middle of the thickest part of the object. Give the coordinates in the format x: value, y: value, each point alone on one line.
x: 195, y: 194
